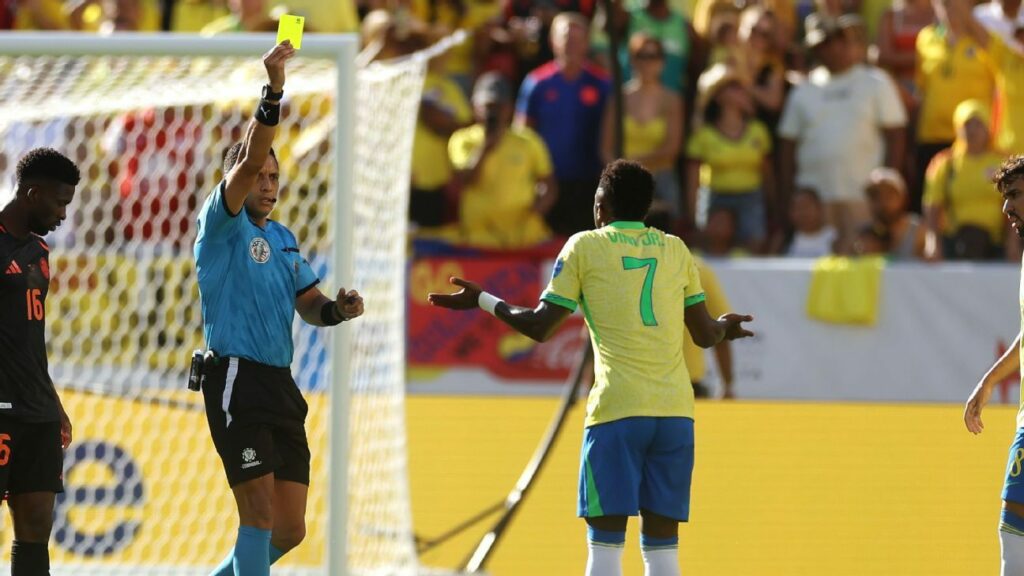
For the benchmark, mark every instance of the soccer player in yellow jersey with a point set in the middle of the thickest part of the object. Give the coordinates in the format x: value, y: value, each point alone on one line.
x: 1010, y: 183
x: 638, y: 287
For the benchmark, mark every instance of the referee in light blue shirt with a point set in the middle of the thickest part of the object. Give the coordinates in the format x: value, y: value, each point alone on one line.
x: 252, y: 280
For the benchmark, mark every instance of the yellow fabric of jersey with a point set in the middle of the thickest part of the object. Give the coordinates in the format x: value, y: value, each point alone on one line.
x: 962, y: 186
x: 642, y: 138
x: 496, y: 211
x: 731, y: 166
x: 477, y: 12
x: 633, y: 283
x: 1009, y: 65
x: 193, y: 15
x: 948, y: 75
x: 430, y: 167
x: 717, y: 304
x: 324, y: 16
x: 53, y: 11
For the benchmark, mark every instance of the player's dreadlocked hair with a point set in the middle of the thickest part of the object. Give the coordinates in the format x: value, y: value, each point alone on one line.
x: 232, y: 156
x: 1011, y: 170
x: 46, y: 164
x: 629, y: 187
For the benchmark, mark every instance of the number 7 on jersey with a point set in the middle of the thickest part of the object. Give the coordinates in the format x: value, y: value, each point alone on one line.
x: 646, y: 298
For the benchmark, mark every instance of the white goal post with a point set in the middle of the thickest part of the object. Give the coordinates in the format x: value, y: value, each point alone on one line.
x: 27, y: 88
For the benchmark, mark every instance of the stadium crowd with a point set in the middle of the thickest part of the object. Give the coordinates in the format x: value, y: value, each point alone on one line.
x: 773, y: 127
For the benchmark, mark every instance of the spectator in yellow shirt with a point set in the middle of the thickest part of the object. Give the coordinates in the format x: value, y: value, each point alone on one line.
x: 962, y: 213
x: 505, y: 172
x: 245, y: 16
x: 730, y: 153
x: 951, y: 68
x: 1008, y: 61
x: 443, y: 110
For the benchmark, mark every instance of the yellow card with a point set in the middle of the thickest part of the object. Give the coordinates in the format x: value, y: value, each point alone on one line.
x: 289, y: 27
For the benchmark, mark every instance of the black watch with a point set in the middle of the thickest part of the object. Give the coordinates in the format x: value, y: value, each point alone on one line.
x: 269, y: 94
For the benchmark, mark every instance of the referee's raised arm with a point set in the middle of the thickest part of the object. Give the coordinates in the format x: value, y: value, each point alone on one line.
x: 259, y: 136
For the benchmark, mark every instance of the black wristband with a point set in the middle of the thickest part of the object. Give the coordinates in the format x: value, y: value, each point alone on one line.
x: 267, y: 113
x: 327, y: 315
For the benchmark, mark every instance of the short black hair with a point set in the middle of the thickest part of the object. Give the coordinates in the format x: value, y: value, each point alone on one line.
x: 629, y: 188
x: 47, y: 164
x: 1011, y: 170
x: 232, y: 154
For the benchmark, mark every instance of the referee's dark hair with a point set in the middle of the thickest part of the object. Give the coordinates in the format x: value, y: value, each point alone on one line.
x: 629, y: 188
x: 232, y: 154
x: 1011, y: 170
x: 47, y: 165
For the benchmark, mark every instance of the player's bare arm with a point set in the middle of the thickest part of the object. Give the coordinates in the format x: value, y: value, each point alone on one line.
x: 259, y: 136
x: 537, y: 323
x: 999, y: 371
x: 707, y: 331
x: 311, y: 304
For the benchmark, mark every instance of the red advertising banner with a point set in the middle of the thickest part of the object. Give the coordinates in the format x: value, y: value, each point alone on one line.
x: 440, y: 338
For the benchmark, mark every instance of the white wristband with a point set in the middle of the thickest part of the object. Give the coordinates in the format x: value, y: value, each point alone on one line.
x: 488, y: 302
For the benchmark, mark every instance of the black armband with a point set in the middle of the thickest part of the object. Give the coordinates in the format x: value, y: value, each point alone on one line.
x: 267, y: 113
x: 328, y: 314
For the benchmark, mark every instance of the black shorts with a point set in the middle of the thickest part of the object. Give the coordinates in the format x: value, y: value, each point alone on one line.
x: 257, y: 420
x: 31, y: 457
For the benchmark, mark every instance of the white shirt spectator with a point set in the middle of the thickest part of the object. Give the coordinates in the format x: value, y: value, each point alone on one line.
x: 837, y: 123
x: 991, y: 16
x: 812, y: 245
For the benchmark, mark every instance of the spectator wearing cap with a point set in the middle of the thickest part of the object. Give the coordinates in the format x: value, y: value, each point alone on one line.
x: 951, y: 68
x: 844, y: 121
x: 1007, y: 58
x: 564, y: 102
x: 962, y: 211
x: 505, y: 173
x: 652, y: 122
x: 732, y: 150
x: 902, y: 233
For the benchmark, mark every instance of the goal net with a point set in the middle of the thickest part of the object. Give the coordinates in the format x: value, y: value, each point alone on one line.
x: 147, y: 121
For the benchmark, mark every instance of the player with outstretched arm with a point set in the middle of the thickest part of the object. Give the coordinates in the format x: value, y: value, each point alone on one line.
x: 1010, y: 184
x: 252, y: 281
x: 639, y: 289
x: 33, y: 425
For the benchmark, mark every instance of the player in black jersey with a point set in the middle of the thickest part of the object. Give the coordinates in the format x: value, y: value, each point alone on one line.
x: 34, y: 429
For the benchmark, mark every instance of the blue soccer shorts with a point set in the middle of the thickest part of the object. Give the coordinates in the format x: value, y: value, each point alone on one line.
x: 1013, y: 488
x: 633, y: 464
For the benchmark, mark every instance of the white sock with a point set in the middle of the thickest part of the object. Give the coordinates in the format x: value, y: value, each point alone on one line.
x: 661, y: 561
x: 1012, y: 547
x: 604, y: 560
